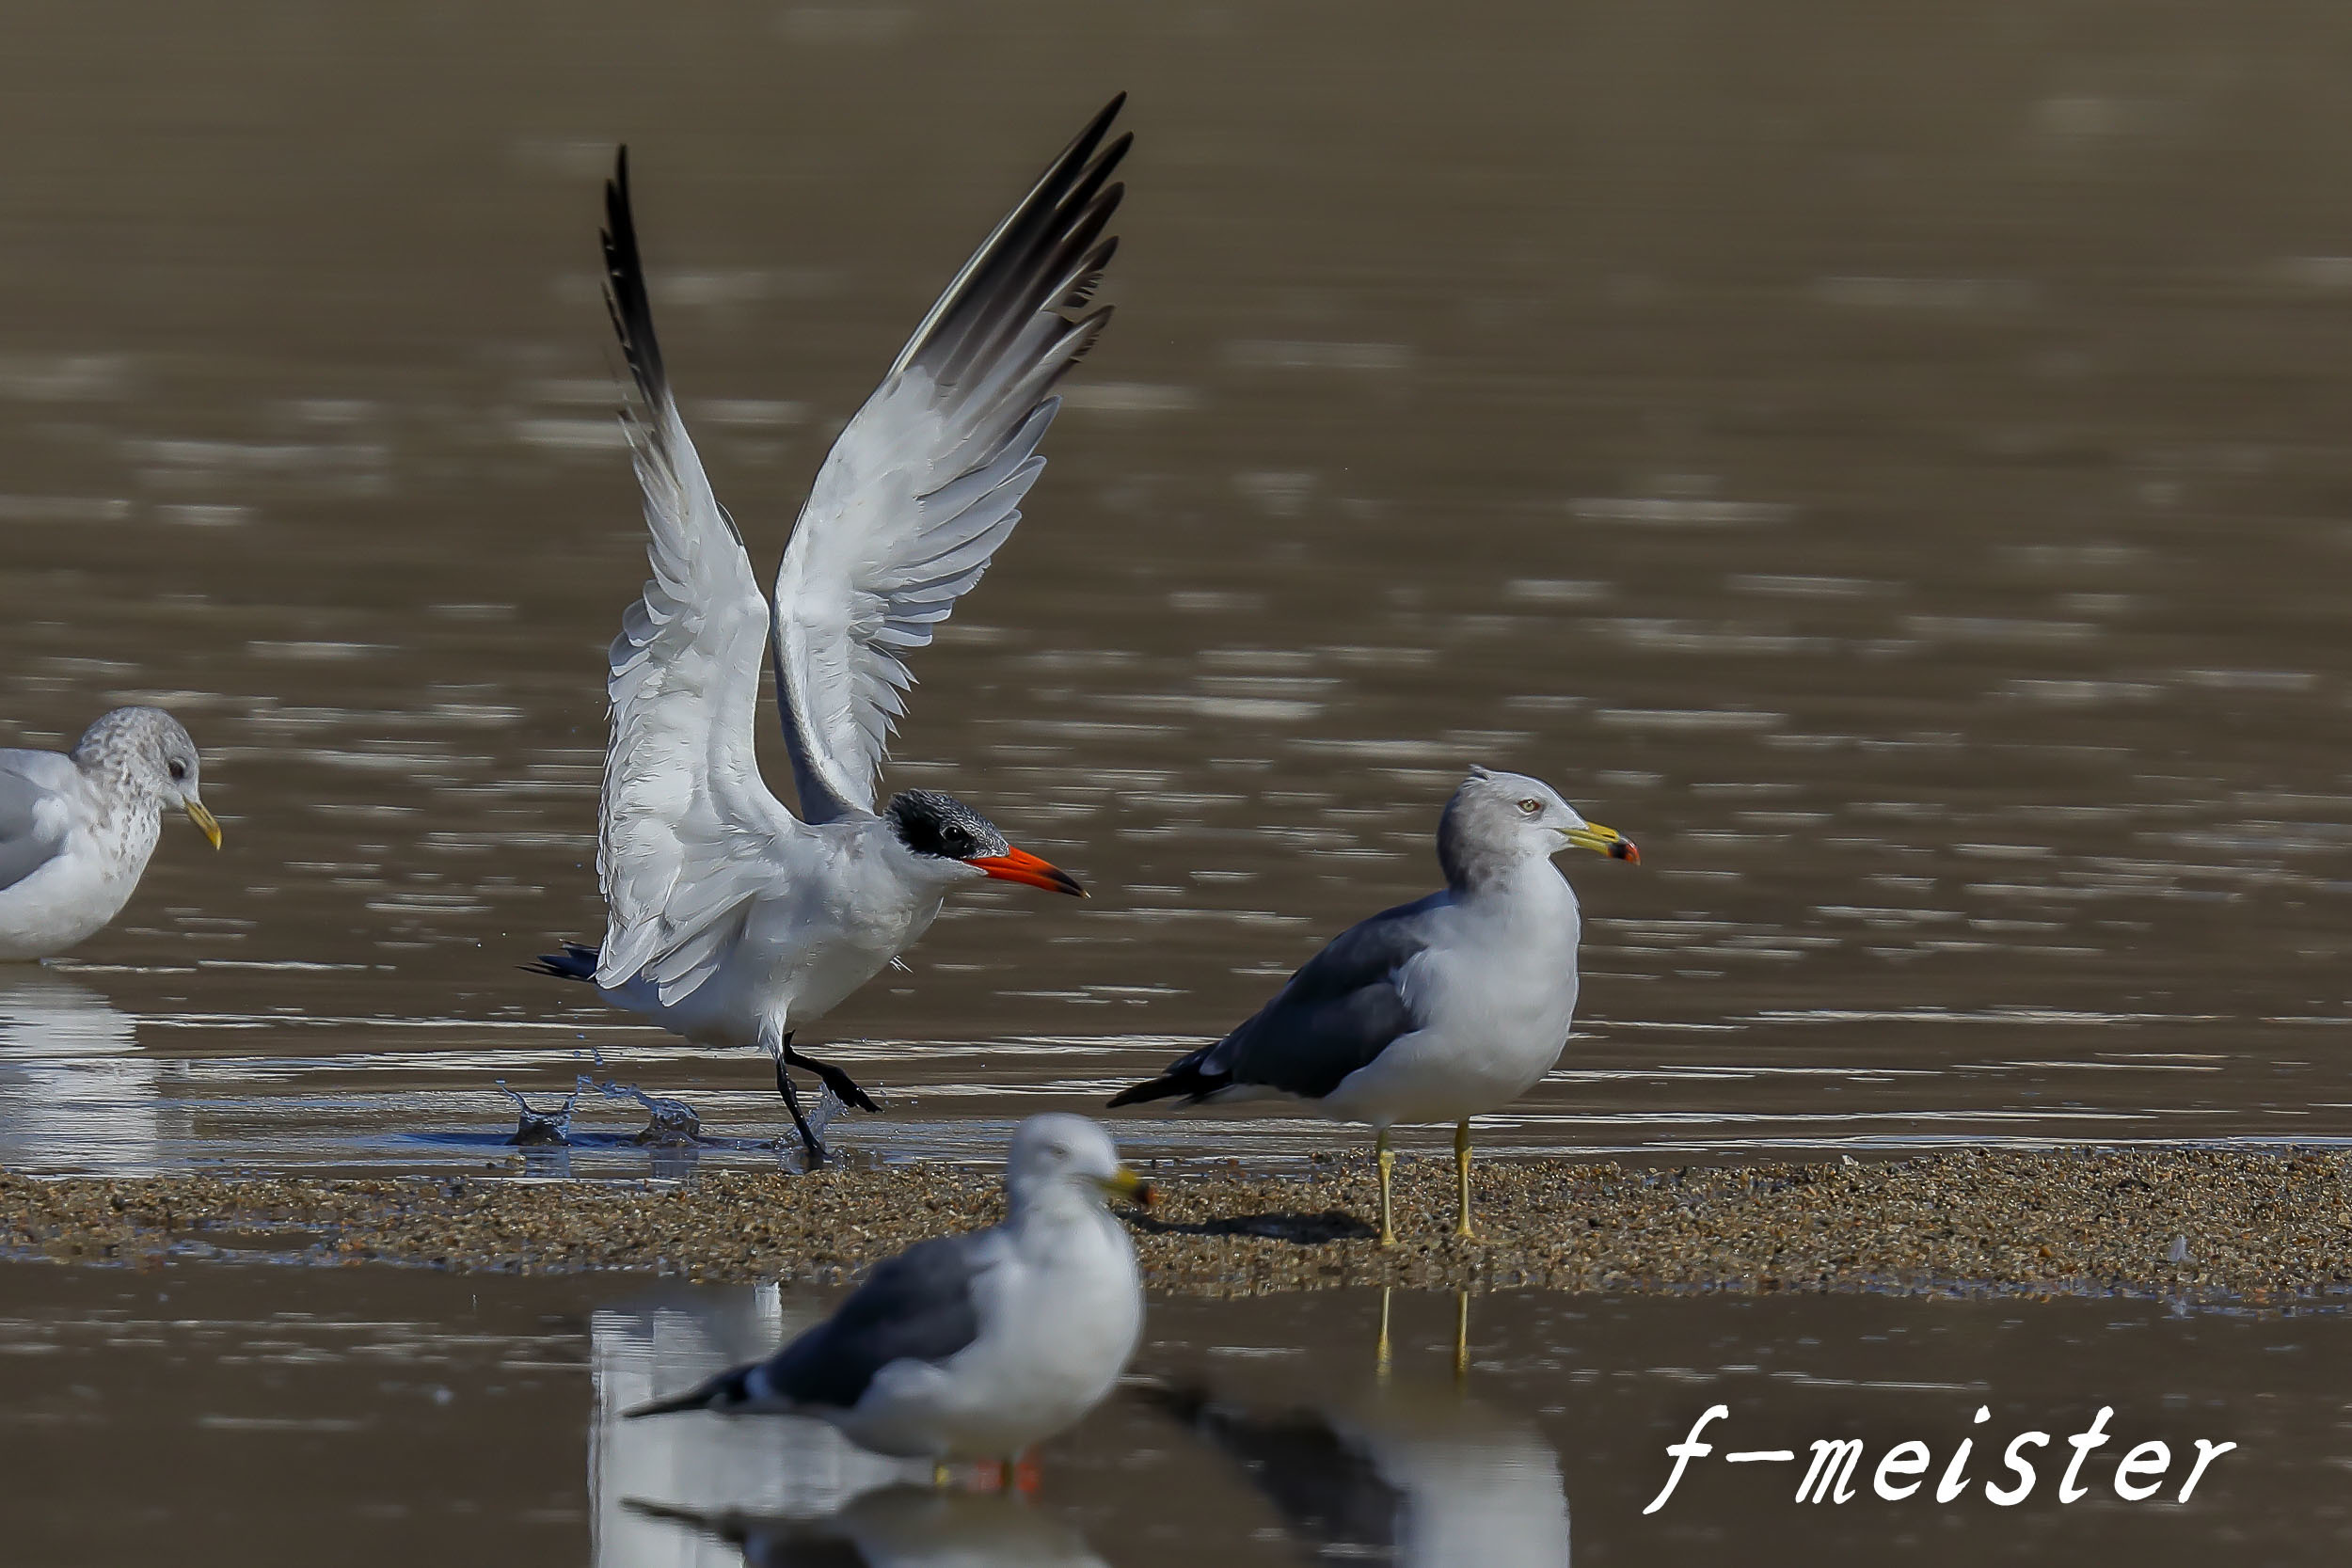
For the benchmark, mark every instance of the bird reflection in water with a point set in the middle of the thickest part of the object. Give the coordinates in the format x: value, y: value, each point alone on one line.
x: 705, y: 1492
x: 898, y: 1527
x: 76, y: 1091
x: 1408, y: 1469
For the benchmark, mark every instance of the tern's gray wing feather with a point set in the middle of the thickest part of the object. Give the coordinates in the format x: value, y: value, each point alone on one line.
x: 1341, y: 1010
x: 925, y: 482
x: 920, y: 1306
x: 35, y: 816
x: 685, y: 814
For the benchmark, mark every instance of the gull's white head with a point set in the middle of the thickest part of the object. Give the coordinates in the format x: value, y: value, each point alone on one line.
x: 145, y: 752
x: 949, y: 841
x: 1060, y: 1155
x: 1496, y: 820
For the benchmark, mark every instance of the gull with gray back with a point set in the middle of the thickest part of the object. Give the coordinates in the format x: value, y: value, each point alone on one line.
x: 76, y: 827
x: 1434, y: 1011
x: 972, y: 1346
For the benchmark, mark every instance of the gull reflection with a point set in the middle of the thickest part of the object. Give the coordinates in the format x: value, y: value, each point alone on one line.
x: 74, y: 1092
x: 706, y: 1463
x: 1405, y: 1469
x: 900, y: 1527
x: 704, y: 1490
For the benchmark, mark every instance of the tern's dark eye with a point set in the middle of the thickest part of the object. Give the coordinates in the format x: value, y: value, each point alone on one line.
x: 1533, y: 808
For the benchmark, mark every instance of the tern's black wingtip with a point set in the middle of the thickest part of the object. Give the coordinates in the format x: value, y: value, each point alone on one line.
x: 1083, y: 147
x: 616, y: 192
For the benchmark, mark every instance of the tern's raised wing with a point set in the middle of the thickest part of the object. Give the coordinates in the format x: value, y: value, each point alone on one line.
x: 685, y: 812
x: 926, y: 482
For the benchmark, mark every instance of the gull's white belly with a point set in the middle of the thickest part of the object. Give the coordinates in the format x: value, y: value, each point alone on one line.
x: 1433, y: 1076
x: 1056, y: 1334
x: 75, y: 894
x: 1493, y: 1023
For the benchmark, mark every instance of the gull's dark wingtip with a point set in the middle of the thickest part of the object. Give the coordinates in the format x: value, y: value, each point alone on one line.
x: 1166, y: 1087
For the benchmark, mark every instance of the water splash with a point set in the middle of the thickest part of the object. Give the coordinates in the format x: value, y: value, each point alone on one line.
x: 820, y: 1116
x: 537, y: 1129
x: 669, y: 1123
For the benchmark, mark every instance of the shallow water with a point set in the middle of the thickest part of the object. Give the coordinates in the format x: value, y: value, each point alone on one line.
x: 1891, y: 467
x: 253, y: 1414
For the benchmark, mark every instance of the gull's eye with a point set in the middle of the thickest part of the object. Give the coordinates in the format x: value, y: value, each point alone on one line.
x: 178, y: 772
x: 1533, y: 808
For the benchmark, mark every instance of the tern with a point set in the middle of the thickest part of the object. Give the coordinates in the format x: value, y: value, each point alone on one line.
x: 1434, y: 1011
x: 730, y: 920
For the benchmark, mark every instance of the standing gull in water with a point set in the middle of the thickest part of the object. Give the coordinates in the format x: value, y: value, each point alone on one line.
x: 1437, y: 1010
x: 730, y: 921
x: 972, y: 1346
x: 76, y: 826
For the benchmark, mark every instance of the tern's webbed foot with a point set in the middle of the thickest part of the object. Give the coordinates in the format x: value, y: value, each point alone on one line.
x: 809, y: 1142
x: 843, y: 1086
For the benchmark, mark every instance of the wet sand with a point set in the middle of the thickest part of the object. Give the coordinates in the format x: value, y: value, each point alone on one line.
x: 2177, y: 1223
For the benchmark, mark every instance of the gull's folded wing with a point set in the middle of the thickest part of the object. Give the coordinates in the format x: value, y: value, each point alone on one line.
x: 925, y: 482
x: 920, y: 1306
x: 36, y: 816
x: 685, y: 811
x: 1342, y: 1007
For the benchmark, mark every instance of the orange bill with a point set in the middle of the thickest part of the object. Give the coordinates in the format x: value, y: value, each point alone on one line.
x: 1018, y: 866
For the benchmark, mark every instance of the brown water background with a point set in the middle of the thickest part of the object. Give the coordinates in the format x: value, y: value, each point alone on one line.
x: 251, y: 1416
x: 1892, y: 465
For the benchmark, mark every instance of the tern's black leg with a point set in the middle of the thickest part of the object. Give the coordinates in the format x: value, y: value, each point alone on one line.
x: 844, y: 1088
x: 792, y: 1103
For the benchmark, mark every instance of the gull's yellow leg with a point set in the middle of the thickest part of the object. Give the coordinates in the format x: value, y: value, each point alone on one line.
x: 1461, y: 1179
x: 1386, y: 1161
x: 941, y: 1476
x: 1461, y: 1335
x: 1380, y: 1357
